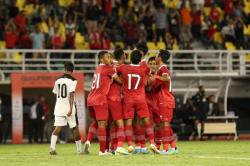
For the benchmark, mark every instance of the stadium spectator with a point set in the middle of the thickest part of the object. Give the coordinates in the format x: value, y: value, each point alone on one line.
x: 196, y: 22
x: 11, y: 35
x: 161, y: 23
x: 38, y: 41
x: 70, y: 20
x: 20, y: 21
x: 174, y: 23
x: 95, y: 40
x: 239, y: 33
x: 148, y: 21
x: 186, y: 35
x: 92, y: 16
x: 228, y: 31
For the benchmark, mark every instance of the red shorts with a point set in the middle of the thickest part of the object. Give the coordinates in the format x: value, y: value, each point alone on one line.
x: 165, y: 114
x: 115, y: 110
x: 140, y: 108
x: 99, y: 112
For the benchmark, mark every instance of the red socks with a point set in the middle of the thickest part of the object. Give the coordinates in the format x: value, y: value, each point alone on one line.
x: 120, y: 136
x: 102, y: 138
x: 92, y: 131
x: 158, y: 138
x: 113, y: 137
x: 128, y: 134
x: 150, y: 132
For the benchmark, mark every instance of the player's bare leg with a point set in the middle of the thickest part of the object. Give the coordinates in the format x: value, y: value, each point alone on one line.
x: 129, y: 134
x: 77, y: 138
x: 150, y: 133
x: 53, y: 141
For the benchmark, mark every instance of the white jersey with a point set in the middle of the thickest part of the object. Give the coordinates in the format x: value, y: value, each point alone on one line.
x: 64, y: 85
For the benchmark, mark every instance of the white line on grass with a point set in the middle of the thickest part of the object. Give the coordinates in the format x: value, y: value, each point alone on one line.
x: 220, y: 157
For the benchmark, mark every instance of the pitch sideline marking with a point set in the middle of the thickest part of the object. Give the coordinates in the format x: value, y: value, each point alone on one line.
x: 219, y: 157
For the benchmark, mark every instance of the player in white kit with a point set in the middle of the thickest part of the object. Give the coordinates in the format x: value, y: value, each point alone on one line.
x: 65, y: 109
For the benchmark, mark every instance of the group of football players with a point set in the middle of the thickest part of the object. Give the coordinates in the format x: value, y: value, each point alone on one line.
x: 131, y: 102
x: 128, y: 103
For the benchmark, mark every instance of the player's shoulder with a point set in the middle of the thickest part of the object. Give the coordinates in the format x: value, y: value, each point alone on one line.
x: 67, y: 76
x: 163, y: 68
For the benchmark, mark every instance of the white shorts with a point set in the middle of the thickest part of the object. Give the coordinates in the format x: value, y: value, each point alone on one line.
x: 63, y: 120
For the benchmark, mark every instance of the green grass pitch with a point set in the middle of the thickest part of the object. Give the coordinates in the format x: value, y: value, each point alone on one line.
x: 210, y: 153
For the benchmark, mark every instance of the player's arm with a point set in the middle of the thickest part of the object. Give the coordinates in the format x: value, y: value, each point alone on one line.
x: 114, y: 74
x: 117, y: 79
x: 71, y: 102
x: 71, y: 96
x: 164, y: 77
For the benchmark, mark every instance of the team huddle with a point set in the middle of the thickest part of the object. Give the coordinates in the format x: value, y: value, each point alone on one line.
x: 128, y: 103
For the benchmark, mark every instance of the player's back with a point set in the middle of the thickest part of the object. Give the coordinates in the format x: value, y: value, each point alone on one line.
x: 64, y: 85
x: 102, y: 80
x: 133, y: 82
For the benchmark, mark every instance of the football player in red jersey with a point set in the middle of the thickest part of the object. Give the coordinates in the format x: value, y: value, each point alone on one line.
x: 139, y: 130
x: 133, y: 87
x: 165, y: 101
x: 97, y: 101
x: 115, y: 107
x: 151, y: 98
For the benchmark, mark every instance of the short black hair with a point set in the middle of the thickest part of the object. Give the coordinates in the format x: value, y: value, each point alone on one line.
x: 68, y: 66
x: 118, y: 53
x: 164, y: 54
x: 101, y: 54
x: 152, y: 58
x: 142, y: 46
x: 135, y: 57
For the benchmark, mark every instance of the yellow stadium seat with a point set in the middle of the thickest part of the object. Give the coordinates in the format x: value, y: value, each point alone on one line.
x: 217, y: 37
x: 161, y: 45
x: 230, y: 46
x: 175, y: 45
x: 44, y: 27
x: 247, y: 29
x: 29, y: 9
x: 247, y: 57
x: 246, y: 7
x: 17, y: 57
x: 20, y: 4
x: 151, y: 46
x: 171, y: 4
x: 65, y: 3
x: 121, y: 44
x: 79, y: 38
x: 207, y: 11
x: 131, y: 3
x: 2, y: 46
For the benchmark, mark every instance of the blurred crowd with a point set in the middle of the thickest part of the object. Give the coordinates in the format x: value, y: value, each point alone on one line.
x: 104, y: 24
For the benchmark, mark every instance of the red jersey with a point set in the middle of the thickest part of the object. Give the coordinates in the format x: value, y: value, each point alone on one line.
x: 151, y: 96
x: 164, y: 94
x: 133, y: 82
x: 101, y: 84
x: 115, y: 88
